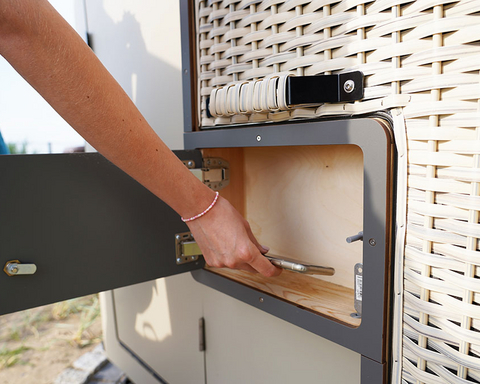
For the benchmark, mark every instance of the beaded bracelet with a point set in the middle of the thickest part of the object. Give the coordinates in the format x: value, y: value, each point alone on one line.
x: 204, y: 212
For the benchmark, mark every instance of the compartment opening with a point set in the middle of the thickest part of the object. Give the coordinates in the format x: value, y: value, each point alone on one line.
x: 302, y: 202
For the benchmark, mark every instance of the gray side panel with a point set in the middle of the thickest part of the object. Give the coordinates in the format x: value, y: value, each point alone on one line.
x: 86, y: 225
x: 370, y: 338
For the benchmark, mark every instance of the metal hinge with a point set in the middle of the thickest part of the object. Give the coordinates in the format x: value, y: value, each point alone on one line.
x: 186, y: 249
x: 215, y: 172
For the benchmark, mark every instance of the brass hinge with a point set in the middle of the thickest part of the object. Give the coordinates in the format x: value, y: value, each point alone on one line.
x: 186, y: 249
x: 215, y: 172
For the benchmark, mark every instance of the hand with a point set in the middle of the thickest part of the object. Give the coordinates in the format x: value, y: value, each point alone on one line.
x: 226, y: 240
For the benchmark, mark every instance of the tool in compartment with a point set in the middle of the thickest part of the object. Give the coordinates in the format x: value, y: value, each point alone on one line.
x: 299, y: 266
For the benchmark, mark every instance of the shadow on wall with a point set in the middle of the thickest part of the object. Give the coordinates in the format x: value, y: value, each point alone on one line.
x: 154, y: 85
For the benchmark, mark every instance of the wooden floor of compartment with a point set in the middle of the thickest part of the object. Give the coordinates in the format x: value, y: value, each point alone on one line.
x: 330, y: 300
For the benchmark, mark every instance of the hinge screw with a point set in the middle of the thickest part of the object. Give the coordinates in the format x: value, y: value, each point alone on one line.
x: 372, y: 242
x: 349, y: 86
x: 259, y: 138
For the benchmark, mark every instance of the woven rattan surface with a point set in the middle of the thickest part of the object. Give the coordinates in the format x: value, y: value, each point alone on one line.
x: 422, y: 58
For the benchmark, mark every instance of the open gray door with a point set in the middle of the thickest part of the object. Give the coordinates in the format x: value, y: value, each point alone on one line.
x: 84, y: 224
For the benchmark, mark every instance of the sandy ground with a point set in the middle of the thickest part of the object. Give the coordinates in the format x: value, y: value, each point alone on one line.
x: 36, y: 345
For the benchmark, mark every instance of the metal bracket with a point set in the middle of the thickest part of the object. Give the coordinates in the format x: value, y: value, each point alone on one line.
x: 305, y: 90
x: 358, y: 290
x: 186, y: 249
x: 15, y: 268
x: 215, y: 172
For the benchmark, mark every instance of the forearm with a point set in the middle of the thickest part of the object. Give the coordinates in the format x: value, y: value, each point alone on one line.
x: 43, y: 48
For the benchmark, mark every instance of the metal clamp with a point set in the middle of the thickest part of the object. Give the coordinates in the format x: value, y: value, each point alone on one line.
x: 15, y: 268
x: 313, y: 90
x: 186, y: 249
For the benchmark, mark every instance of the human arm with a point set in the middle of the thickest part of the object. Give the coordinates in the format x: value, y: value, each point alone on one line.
x: 49, y: 54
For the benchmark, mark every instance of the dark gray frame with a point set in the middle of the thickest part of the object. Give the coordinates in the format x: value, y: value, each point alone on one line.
x: 370, y: 338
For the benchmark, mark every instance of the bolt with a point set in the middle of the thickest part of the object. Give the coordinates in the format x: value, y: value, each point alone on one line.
x: 349, y: 86
x: 372, y: 242
x: 259, y: 138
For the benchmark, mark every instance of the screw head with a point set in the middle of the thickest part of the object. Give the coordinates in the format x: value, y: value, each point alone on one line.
x: 372, y: 242
x: 349, y: 86
x: 261, y: 299
x: 190, y: 163
x: 259, y: 138
x: 179, y: 260
x: 12, y: 269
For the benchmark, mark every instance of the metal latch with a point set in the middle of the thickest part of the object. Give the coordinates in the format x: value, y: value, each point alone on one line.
x: 215, y: 172
x: 186, y: 249
x: 358, y: 288
x: 15, y: 267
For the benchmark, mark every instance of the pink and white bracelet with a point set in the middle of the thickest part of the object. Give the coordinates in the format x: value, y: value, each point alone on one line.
x: 204, y: 212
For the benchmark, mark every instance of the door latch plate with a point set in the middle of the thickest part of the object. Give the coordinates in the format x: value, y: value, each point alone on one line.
x: 15, y: 268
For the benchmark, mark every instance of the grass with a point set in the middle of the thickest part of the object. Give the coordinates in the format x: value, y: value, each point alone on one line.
x: 16, y: 328
x: 10, y: 357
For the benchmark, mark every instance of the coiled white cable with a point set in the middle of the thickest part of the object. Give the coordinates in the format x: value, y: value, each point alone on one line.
x: 247, y: 97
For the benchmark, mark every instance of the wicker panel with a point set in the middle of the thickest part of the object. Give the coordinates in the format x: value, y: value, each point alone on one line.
x: 423, y: 58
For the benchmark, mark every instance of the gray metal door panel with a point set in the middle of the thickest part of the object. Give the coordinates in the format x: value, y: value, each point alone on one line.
x: 85, y: 224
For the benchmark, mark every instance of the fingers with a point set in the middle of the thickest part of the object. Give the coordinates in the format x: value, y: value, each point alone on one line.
x: 265, y: 267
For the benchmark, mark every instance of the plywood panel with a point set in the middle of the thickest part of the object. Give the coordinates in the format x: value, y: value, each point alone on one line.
x: 303, y: 202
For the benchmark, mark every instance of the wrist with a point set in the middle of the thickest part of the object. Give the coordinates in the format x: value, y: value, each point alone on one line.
x: 205, y: 211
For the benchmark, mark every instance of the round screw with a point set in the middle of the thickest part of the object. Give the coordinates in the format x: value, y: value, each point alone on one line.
x: 259, y: 138
x: 372, y: 242
x: 349, y: 86
x: 190, y: 163
x: 179, y: 260
x: 178, y: 237
x: 261, y: 299
x: 12, y: 269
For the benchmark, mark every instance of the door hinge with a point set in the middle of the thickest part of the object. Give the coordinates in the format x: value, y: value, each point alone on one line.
x: 201, y: 335
x: 215, y: 172
x: 186, y: 249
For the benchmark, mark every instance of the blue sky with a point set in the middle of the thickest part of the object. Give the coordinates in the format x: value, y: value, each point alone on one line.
x: 24, y: 115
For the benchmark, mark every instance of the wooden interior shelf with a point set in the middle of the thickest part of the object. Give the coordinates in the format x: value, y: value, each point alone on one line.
x: 330, y: 300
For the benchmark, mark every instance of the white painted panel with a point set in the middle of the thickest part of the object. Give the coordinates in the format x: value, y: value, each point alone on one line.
x: 246, y: 345
x: 158, y: 320
x: 139, y: 43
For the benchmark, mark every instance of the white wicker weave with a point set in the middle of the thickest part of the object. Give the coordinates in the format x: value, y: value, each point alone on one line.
x: 421, y: 58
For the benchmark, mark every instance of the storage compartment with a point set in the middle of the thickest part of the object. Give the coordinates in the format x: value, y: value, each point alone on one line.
x: 302, y: 202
